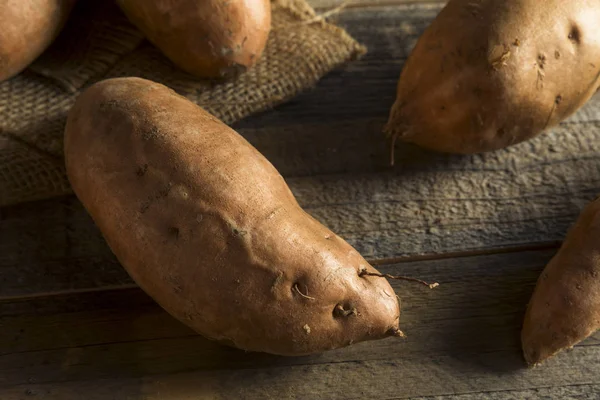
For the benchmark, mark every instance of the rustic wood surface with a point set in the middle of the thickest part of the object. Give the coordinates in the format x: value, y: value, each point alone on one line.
x: 73, y: 324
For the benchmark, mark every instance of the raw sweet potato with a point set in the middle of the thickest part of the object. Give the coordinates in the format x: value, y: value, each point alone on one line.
x: 207, y: 38
x: 208, y: 228
x: 487, y: 74
x: 27, y: 28
x: 565, y: 306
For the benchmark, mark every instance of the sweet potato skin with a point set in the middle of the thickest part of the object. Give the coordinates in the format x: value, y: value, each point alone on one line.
x: 565, y: 306
x: 206, y: 38
x: 487, y: 74
x: 27, y: 28
x: 209, y: 229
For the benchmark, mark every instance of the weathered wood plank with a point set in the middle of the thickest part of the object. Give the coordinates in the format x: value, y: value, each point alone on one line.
x: 132, y: 390
x: 463, y: 335
x: 402, y: 379
x: 326, y: 5
x: 574, y: 392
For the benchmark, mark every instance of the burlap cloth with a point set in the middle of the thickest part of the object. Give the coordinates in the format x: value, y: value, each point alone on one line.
x: 98, y: 42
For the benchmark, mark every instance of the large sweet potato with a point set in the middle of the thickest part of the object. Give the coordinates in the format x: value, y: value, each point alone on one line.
x: 208, y: 227
x: 207, y: 38
x: 487, y: 74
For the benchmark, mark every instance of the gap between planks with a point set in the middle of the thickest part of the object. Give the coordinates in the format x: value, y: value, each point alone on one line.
x: 375, y: 262
x: 324, y: 5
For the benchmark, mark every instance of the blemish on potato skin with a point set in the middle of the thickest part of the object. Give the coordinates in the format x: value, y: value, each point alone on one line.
x: 164, y: 192
x: 174, y: 232
x: 499, y: 56
x: 542, y: 60
x: 575, y: 34
x: 278, y: 280
x: 151, y: 134
x: 175, y: 284
x: 238, y: 232
x: 344, y: 311
x: 273, y: 213
x: 141, y: 171
x: 108, y: 105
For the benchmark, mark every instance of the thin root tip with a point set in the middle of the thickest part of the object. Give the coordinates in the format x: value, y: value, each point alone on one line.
x: 433, y: 285
x: 397, y: 333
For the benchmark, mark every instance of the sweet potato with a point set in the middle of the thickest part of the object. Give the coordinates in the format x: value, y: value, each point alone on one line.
x: 489, y: 74
x: 206, y: 38
x: 565, y: 306
x: 209, y: 229
x: 27, y: 28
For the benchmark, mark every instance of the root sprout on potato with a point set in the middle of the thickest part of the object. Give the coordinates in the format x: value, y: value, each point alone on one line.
x: 209, y: 228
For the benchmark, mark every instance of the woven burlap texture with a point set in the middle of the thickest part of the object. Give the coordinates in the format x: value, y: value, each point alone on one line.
x: 98, y: 42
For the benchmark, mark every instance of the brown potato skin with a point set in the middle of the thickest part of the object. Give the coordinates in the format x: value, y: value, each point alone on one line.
x: 487, y: 74
x: 565, y: 306
x: 27, y: 28
x: 209, y: 228
x: 206, y: 38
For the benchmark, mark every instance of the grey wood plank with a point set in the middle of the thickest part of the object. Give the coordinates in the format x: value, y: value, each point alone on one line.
x: 132, y: 390
x: 402, y: 379
x: 574, y: 392
x: 326, y: 5
x: 462, y: 337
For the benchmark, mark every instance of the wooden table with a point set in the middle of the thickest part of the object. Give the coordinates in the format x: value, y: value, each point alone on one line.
x: 74, y: 326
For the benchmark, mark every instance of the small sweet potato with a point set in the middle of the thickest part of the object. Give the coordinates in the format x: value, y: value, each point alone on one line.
x: 489, y: 74
x: 206, y: 38
x: 27, y: 28
x: 208, y: 228
x: 565, y: 306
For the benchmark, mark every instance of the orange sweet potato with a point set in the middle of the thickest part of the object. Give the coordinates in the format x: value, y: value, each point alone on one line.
x: 565, y: 306
x: 27, y: 28
x: 207, y: 38
x: 208, y: 228
x: 489, y: 74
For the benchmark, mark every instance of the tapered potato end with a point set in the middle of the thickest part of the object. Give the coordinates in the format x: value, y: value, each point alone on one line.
x: 550, y: 328
x: 565, y: 306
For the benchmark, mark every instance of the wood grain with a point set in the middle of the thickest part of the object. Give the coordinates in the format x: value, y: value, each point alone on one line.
x: 323, y: 6
x: 462, y: 337
x: 141, y: 390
